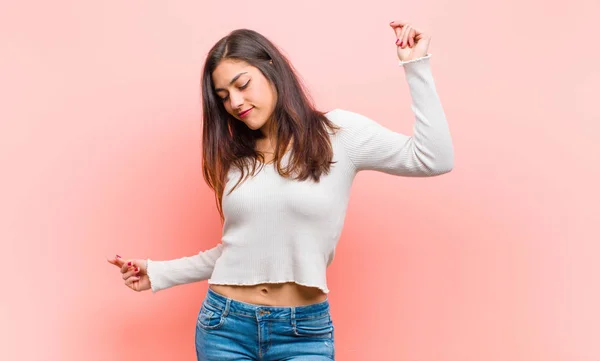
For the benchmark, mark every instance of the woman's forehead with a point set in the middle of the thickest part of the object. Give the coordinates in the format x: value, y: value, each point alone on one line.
x: 228, y: 71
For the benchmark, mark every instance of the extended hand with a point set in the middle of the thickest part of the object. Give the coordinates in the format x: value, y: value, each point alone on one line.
x: 134, y: 272
x: 412, y: 43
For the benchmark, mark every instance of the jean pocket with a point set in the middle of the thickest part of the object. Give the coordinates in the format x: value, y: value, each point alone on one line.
x: 321, y: 327
x: 210, y: 317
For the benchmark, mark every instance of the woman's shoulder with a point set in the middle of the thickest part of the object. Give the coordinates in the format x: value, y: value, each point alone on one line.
x: 347, y: 119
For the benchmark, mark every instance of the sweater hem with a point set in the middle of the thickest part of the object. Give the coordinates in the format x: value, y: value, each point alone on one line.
x: 153, y: 285
x: 404, y: 62
x: 254, y: 283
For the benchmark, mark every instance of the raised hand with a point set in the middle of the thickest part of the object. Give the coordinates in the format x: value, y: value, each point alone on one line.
x: 134, y: 272
x: 411, y: 42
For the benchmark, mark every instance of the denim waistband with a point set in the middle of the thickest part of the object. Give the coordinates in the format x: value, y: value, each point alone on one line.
x: 228, y: 305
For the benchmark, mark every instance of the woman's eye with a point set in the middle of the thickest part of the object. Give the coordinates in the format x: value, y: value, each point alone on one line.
x: 245, y: 85
x: 241, y: 88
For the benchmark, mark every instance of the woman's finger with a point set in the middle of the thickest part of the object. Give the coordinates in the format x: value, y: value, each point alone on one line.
x: 411, y: 37
x: 126, y: 266
x: 401, y: 43
x: 117, y: 261
x: 397, y: 27
x: 405, y: 34
x: 398, y: 33
x: 131, y: 272
x: 404, y: 29
x: 132, y: 282
x: 400, y: 23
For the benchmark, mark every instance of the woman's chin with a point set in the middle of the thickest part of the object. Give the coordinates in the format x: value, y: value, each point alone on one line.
x: 253, y: 125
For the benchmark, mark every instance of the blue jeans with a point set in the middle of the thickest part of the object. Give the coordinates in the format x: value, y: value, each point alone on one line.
x: 229, y: 330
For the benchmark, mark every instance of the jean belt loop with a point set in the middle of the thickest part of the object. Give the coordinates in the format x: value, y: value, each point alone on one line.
x: 227, y: 305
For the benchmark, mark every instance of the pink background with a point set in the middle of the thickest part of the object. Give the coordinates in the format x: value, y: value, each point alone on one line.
x: 100, y: 154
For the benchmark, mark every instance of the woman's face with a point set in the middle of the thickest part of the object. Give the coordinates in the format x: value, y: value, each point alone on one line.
x: 245, y: 92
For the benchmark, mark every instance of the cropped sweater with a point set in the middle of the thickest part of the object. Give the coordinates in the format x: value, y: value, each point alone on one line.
x: 280, y: 230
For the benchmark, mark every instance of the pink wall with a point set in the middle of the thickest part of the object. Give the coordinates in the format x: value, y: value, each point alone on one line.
x: 99, y: 151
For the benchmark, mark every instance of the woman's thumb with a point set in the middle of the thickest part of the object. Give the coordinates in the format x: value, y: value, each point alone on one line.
x: 117, y: 261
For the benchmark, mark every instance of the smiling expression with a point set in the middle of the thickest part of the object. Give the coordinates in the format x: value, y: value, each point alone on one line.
x: 245, y: 92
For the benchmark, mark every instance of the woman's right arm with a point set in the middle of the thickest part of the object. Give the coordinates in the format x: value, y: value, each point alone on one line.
x: 199, y: 267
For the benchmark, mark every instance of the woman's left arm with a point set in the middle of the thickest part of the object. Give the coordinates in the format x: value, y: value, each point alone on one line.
x: 429, y: 150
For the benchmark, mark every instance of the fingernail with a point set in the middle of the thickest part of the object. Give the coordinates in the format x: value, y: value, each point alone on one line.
x: 136, y: 269
x: 391, y: 23
x: 118, y: 256
x: 397, y: 41
x: 129, y: 263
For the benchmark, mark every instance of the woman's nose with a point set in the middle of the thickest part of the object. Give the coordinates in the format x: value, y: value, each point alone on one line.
x: 236, y: 100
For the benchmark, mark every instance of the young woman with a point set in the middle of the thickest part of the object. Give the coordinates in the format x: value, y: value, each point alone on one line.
x: 282, y: 172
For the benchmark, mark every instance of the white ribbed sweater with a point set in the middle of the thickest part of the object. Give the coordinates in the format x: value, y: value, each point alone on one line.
x: 280, y: 230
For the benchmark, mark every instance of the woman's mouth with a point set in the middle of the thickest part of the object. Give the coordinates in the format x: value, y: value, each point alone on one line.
x: 245, y: 112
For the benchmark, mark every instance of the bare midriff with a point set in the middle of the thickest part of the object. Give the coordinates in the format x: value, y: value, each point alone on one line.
x: 272, y: 294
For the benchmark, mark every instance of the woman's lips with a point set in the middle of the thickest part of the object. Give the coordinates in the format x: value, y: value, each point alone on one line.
x: 246, y: 112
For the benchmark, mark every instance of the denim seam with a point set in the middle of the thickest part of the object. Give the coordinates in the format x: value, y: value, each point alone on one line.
x: 268, y: 326
x: 260, y: 355
x: 210, y: 314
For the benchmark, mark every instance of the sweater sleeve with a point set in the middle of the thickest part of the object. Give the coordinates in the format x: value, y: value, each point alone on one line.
x: 427, y: 152
x: 199, y: 267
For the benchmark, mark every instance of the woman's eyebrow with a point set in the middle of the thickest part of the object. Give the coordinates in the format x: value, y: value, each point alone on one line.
x: 232, y: 80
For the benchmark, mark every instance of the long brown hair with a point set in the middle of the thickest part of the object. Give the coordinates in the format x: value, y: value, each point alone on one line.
x: 228, y: 142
